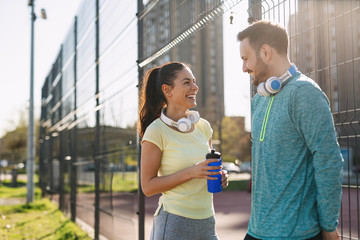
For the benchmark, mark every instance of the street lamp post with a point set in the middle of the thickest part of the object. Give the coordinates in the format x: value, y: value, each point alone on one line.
x: 31, y: 137
x: 30, y: 160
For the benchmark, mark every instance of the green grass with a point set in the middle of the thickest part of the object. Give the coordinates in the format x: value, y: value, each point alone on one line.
x: 38, y: 220
x: 6, y: 191
x: 126, y: 183
x: 120, y: 183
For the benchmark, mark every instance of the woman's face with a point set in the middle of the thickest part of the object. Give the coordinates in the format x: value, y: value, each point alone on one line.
x: 183, y: 93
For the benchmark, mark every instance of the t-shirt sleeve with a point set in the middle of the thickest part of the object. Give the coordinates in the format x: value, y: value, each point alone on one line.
x: 206, y: 129
x: 152, y: 134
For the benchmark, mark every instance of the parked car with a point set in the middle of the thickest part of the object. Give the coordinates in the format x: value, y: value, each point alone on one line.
x: 245, y: 167
x: 230, y: 167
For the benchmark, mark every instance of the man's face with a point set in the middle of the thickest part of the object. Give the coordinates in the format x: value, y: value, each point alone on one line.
x: 252, y: 63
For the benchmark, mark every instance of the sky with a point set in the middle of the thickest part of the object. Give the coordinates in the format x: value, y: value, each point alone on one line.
x: 236, y: 82
x: 15, y: 27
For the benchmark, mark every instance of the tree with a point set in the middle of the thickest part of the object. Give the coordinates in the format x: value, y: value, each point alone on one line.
x: 13, y: 143
x: 235, y: 142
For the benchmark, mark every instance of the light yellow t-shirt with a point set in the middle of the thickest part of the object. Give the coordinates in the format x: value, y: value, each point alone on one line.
x: 181, y: 150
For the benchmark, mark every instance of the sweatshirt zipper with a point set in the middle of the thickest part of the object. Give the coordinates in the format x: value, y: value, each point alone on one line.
x: 263, y: 127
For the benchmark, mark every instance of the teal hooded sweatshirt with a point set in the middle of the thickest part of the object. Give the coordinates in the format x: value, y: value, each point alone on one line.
x: 296, y: 163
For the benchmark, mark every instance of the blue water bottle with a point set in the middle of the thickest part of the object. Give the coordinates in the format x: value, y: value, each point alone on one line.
x: 214, y: 186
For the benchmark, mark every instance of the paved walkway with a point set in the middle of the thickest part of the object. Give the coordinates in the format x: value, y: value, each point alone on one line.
x: 232, y: 212
x: 11, y: 201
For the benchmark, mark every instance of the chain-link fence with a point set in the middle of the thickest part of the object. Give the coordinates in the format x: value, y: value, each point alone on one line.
x: 324, y: 44
x: 89, y: 150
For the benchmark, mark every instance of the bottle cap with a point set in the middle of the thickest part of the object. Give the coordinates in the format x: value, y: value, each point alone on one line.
x: 213, y: 154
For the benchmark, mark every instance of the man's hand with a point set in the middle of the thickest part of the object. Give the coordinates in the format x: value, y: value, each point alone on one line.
x: 224, y: 179
x: 330, y: 235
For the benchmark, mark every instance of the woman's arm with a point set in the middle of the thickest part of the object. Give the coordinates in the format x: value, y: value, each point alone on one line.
x: 152, y: 184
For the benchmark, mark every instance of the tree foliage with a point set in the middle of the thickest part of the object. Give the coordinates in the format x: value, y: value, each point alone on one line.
x: 235, y: 142
x: 14, y: 142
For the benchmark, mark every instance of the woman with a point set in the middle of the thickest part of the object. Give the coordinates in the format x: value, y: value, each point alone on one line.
x: 173, y: 155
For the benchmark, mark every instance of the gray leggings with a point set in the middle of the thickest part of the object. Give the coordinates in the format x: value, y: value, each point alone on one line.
x: 169, y: 226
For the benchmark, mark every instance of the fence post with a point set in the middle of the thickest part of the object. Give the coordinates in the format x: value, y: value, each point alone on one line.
x: 255, y: 13
x: 73, y: 172
x: 141, y: 197
x: 97, y: 159
x: 254, y: 10
x: 61, y: 171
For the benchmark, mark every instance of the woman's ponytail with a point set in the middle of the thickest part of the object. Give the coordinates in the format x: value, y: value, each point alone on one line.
x: 152, y: 100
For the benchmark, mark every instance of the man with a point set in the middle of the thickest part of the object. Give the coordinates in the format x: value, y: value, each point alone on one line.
x: 296, y: 159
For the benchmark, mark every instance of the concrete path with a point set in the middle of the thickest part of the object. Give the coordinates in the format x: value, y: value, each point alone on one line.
x: 232, y: 213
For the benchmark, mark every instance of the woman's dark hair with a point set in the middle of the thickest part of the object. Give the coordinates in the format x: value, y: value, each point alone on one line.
x: 152, y: 99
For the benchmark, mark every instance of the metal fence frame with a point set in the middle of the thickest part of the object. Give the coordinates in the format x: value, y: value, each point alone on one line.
x: 61, y: 137
x: 335, y: 68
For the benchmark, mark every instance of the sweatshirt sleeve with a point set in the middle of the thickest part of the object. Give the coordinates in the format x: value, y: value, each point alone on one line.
x: 314, y: 122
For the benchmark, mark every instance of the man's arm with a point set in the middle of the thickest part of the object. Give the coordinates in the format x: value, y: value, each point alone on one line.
x: 314, y: 121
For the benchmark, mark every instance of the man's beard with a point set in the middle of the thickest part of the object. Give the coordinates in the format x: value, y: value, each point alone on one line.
x: 261, y: 72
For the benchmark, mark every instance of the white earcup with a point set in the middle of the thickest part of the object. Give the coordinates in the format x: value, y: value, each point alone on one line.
x: 273, y: 85
x: 262, y: 90
x: 184, y: 124
x: 193, y: 116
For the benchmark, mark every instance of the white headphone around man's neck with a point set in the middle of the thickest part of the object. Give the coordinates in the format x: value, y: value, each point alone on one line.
x: 184, y: 124
x: 273, y: 85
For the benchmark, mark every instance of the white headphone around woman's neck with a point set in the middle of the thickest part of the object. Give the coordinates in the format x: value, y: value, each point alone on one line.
x: 184, y: 124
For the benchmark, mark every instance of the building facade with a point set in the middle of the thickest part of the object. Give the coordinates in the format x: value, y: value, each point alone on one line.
x: 203, y: 50
x: 324, y: 44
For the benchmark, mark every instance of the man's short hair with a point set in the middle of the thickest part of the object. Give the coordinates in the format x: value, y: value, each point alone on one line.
x: 265, y: 32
